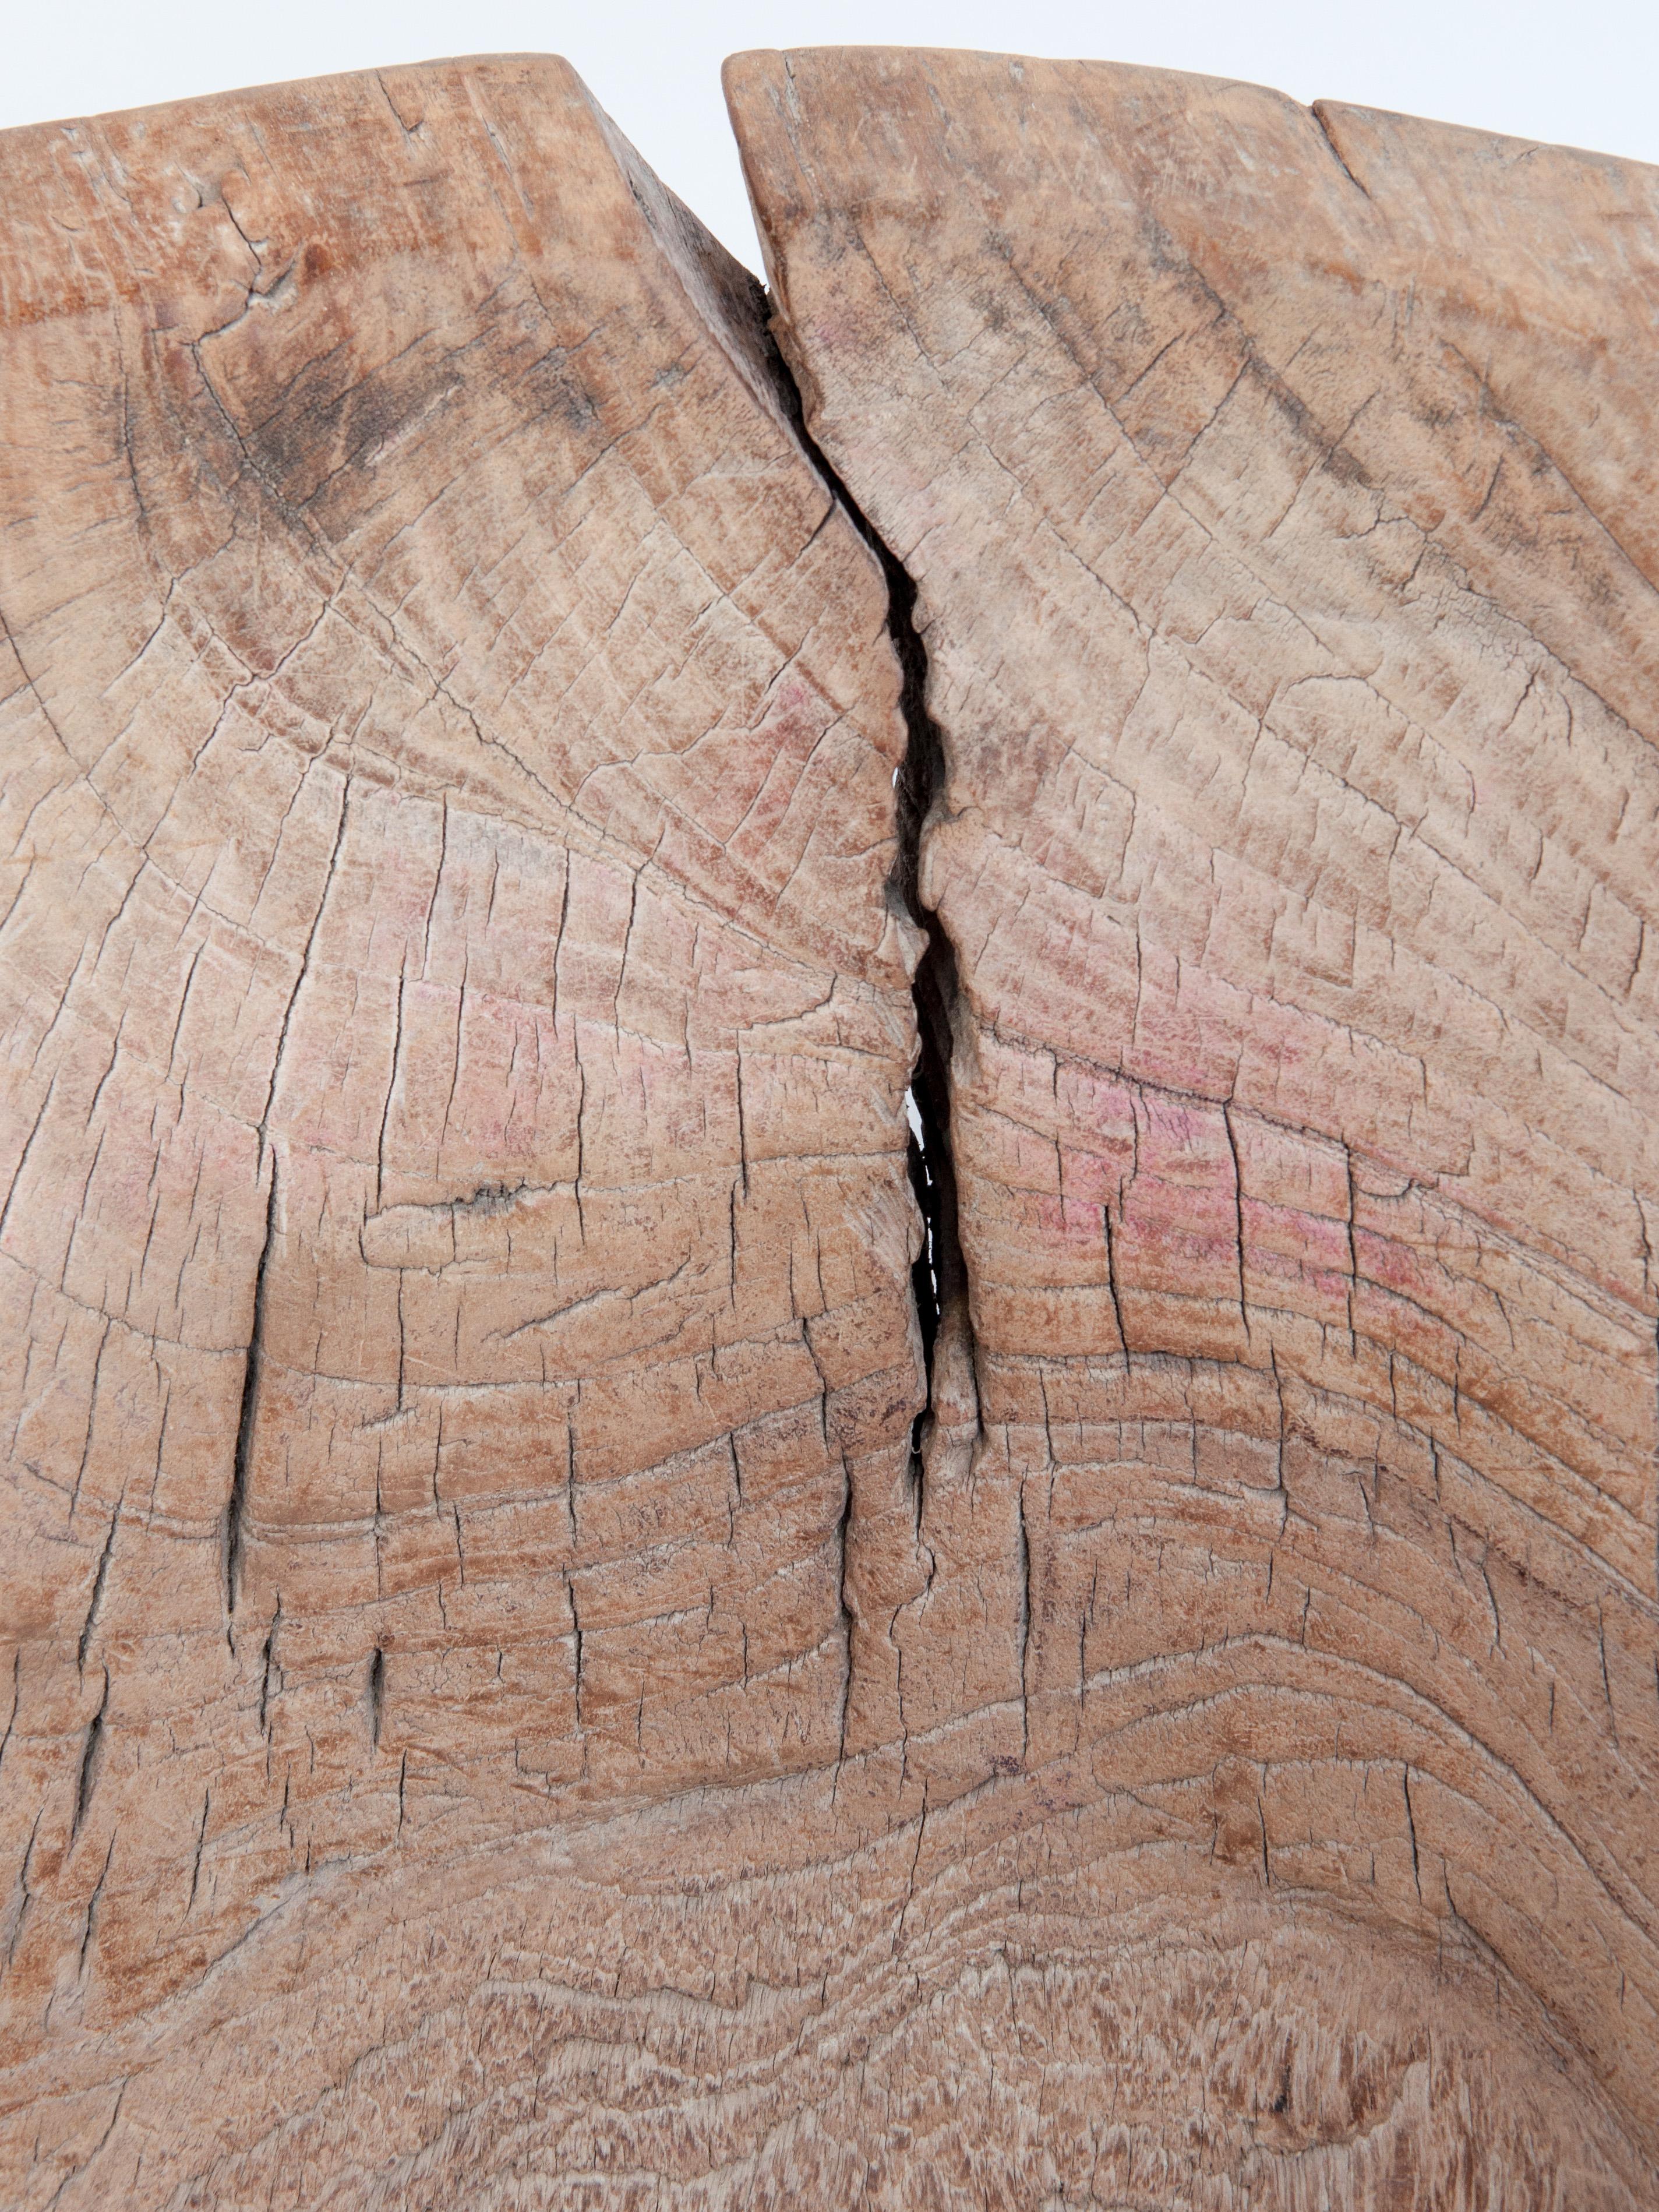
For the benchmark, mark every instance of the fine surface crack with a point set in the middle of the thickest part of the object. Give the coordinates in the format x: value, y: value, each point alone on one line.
x: 89, y: 1771
x: 236, y: 1504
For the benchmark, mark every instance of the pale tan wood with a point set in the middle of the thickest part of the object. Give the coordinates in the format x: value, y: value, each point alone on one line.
x: 457, y: 1250
x: 1278, y: 490
x: 498, y: 1717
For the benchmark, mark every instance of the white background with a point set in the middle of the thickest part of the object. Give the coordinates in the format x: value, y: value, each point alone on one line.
x: 1573, y: 70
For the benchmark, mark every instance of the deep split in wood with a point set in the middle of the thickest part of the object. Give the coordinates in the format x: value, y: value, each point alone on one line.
x: 831, y: 1354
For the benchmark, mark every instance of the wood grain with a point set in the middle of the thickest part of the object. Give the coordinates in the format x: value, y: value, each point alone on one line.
x: 457, y: 1252
x: 1278, y: 492
x: 505, y: 1708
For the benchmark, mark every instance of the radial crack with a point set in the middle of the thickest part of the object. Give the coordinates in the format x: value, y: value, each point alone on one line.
x: 938, y: 1276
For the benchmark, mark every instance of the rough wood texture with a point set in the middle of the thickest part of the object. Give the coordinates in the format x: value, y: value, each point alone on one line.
x: 458, y: 1238
x: 498, y: 1715
x: 1279, y: 489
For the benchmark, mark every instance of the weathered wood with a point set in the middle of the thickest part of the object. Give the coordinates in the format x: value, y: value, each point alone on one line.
x: 457, y: 1243
x: 500, y: 1713
x: 1278, y: 490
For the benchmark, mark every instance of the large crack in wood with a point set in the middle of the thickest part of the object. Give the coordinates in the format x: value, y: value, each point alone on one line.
x: 938, y: 1276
